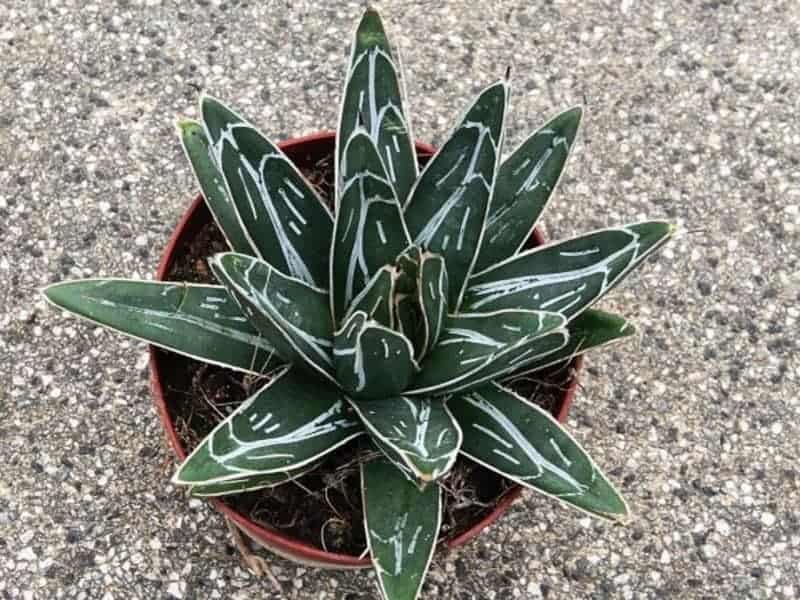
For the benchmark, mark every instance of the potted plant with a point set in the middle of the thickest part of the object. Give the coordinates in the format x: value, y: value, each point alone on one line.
x: 364, y: 322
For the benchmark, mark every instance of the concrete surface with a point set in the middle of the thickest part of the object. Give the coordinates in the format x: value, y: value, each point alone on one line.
x: 692, y: 115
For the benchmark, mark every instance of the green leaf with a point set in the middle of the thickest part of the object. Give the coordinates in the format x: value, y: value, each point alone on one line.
x: 408, y: 318
x: 248, y: 484
x: 525, y: 183
x: 524, y: 443
x: 291, y: 314
x: 417, y: 434
x: 590, y: 330
x: 373, y: 97
x: 282, y: 216
x: 408, y: 314
x: 446, y: 211
x: 420, y: 297
x: 288, y: 424
x: 377, y: 298
x: 402, y: 525
x: 474, y: 347
x: 212, y: 183
x: 565, y: 277
x: 408, y: 267
x: 199, y: 321
x: 432, y: 292
x: 372, y: 361
x: 370, y: 231
x: 516, y: 357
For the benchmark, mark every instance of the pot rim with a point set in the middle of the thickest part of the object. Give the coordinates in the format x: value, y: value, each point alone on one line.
x: 283, y: 544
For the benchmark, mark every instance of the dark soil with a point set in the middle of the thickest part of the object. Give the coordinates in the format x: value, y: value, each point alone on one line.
x: 190, y: 264
x: 323, y: 507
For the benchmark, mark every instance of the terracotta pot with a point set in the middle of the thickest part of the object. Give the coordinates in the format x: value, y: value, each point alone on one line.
x: 304, y: 151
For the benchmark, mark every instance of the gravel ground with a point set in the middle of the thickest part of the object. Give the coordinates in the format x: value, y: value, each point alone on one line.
x: 692, y: 115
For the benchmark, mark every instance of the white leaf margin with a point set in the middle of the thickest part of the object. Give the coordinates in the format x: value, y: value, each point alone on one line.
x: 215, y: 261
x: 498, y: 154
x: 266, y: 347
x: 338, y: 152
x: 595, y: 267
x: 407, y: 465
x: 558, y: 329
x: 378, y: 569
x: 239, y: 473
x: 527, y: 485
x: 291, y: 476
x: 554, y: 190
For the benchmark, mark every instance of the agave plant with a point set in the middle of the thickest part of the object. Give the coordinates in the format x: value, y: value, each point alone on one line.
x: 400, y: 315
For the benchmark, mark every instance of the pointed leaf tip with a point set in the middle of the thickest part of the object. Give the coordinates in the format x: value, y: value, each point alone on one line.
x: 447, y: 207
x: 374, y: 96
x: 370, y: 12
x: 567, y: 276
x: 419, y: 435
x: 576, y: 112
x: 402, y: 524
x: 371, y: 29
x: 525, y: 184
x: 514, y: 437
x: 184, y: 124
x: 590, y: 330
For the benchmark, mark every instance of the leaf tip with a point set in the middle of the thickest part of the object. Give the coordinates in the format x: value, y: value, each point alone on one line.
x: 53, y: 293
x: 185, y: 125
x: 176, y: 478
x: 423, y: 479
x: 45, y: 290
x: 370, y: 15
x: 219, y: 264
x: 370, y: 31
x: 615, y: 508
x: 205, y: 98
x: 208, y: 104
x: 628, y: 329
x: 623, y: 518
x: 225, y: 259
x: 575, y: 112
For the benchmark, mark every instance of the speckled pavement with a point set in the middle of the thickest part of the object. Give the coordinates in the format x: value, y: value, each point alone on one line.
x: 692, y: 115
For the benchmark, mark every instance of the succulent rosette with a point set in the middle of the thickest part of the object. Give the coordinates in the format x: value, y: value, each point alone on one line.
x: 398, y: 315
